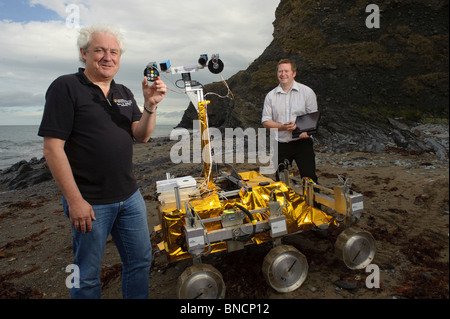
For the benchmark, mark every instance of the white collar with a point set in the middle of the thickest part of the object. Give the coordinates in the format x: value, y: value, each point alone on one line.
x: 295, y: 86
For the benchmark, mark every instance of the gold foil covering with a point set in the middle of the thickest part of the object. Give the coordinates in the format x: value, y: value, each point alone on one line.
x: 299, y: 216
x: 205, y: 141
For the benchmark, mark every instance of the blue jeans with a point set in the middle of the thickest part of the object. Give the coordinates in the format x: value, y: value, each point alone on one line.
x: 127, y: 223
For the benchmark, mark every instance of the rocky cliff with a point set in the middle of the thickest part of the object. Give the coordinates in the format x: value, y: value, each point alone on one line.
x: 363, y: 77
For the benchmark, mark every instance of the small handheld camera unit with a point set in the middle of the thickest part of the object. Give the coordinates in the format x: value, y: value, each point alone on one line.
x: 151, y: 72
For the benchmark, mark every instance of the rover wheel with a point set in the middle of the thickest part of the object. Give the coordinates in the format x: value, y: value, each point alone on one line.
x: 285, y: 268
x: 201, y: 281
x: 356, y: 248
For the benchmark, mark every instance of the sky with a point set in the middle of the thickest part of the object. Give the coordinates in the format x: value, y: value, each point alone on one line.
x: 38, y: 44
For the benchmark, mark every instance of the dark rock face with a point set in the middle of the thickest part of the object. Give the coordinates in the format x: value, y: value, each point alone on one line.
x: 24, y: 174
x: 363, y: 77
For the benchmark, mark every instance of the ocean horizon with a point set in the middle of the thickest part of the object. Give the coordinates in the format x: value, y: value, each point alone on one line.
x: 21, y: 142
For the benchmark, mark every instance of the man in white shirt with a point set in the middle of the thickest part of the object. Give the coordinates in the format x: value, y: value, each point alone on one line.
x: 281, y: 108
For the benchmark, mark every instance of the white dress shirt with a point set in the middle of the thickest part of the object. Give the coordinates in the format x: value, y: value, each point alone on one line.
x: 283, y: 107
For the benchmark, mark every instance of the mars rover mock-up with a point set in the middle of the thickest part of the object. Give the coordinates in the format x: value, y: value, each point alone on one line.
x: 210, y: 214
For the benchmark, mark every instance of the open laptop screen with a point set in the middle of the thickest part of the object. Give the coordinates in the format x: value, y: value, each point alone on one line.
x: 306, y: 123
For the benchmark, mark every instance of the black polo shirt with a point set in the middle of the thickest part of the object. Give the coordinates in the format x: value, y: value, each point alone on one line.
x: 97, y: 131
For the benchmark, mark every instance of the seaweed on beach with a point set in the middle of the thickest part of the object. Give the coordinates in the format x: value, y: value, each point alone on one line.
x: 428, y: 278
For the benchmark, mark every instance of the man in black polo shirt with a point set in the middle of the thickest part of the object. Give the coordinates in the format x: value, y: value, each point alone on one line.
x: 89, y: 125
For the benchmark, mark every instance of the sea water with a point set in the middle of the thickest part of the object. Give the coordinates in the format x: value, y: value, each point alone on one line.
x: 19, y: 143
x: 22, y: 142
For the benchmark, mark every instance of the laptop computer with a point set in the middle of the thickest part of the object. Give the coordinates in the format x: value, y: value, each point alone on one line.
x: 306, y: 123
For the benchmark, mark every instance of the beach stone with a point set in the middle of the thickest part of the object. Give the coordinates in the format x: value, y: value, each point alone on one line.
x: 14, y: 167
x: 26, y: 178
x: 399, y: 139
x: 345, y: 284
x: 440, y: 150
x: 24, y: 168
x: 24, y: 174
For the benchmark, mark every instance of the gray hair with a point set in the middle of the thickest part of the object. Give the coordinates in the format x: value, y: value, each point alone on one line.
x: 84, y: 38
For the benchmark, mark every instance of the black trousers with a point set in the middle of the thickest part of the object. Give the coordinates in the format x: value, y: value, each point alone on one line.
x: 302, y: 152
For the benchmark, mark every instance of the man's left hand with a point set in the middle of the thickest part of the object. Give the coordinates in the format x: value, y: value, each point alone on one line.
x: 304, y: 135
x: 153, y: 94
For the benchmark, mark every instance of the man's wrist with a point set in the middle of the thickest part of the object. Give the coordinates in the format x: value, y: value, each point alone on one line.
x: 150, y: 109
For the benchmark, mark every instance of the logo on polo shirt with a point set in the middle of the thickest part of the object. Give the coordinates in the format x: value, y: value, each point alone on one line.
x: 123, y: 103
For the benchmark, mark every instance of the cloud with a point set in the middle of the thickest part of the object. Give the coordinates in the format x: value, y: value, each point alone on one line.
x: 21, y: 99
x: 20, y: 115
x: 36, y: 52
